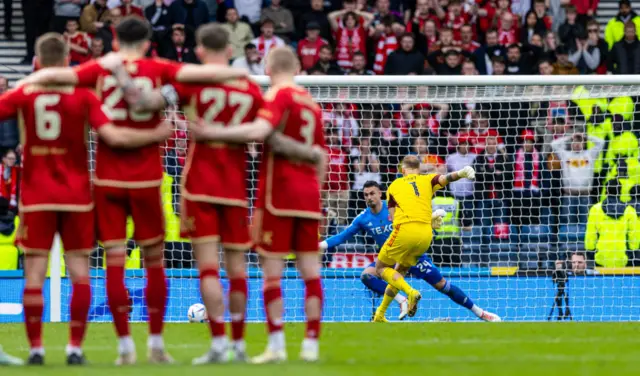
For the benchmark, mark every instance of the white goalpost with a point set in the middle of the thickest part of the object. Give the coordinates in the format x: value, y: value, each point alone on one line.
x: 548, y: 150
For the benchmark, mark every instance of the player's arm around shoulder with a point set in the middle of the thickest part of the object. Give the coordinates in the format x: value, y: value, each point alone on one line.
x: 209, y: 73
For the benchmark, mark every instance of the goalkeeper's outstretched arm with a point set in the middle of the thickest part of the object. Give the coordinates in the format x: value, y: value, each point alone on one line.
x: 466, y: 173
x: 346, y: 235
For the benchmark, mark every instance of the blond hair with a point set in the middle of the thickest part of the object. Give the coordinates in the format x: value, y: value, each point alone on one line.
x: 282, y: 60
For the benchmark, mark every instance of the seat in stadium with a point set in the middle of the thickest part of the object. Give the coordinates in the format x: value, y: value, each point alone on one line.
x: 534, y: 234
x: 471, y: 240
x: 571, y: 233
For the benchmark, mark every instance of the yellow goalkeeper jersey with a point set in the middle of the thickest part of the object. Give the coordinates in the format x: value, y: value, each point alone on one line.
x: 411, y: 196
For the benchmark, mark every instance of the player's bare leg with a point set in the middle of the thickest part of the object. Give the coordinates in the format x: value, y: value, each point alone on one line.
x: 459, y: 297
x: 33, y: 303
x: 309, y: 267
x: 395, y: 274
x: 276, y: 351
x: 235, y: 266
x: 118, y: 299
x: 209, y: 266
x: 156, y: 295
x: 374, y: 283
x: 78, y: 268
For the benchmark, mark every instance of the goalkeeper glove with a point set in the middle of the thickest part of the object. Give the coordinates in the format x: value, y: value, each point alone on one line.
x: 437, y: 219
x: 467, y: 172
x: 323, y: 246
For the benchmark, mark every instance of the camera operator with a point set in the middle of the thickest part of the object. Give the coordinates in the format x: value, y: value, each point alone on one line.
x: 560, y: 279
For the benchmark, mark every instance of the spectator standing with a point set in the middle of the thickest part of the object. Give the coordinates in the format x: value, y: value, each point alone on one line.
x: 540, y: 7
x: 586, y: 10
x: 624, y: 57
x: 463, y: 189
x: 78, y: 42
x: 359, y: 66
x: 451, y: 64
x: 176, y: 49
x: 527, y: 178
x: 350, y: 29
x: 108, y: 31
x: 429, y: 163
x: 128, y: 9
x: 467, y: 43
x: 532, y: 25
x: 387, y: 43
x: 615, y: 29
x: 9, y: 134
x: 94, y: 17
x: 282, y: 19
x: 317, y: 15
x: 190, y: 13
x: 494, y: 171
x: 326, y: 64
x: 563, y: 65
x: 37, y: 20
x: 517, y: 63
x: 586, y: 57
x: 64, y: 10
x: 309, y: 47
x: 240, y: 33
x: 337, y: 181
x: 97, y: 48
x: 550, y: 45
x: 267, y: 39
x: 508, y: 31
x: 484, y: 55
x: 158, y: 16
x: 612, y: 229
x: 9, y: 179
x: 570, y: 30
x: 454, y: 17
x: 251, y: 60
x: 578, y: 165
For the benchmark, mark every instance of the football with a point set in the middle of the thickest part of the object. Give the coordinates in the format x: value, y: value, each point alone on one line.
x: 197, y: 313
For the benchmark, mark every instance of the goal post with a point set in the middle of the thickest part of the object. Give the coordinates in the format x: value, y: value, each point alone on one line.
x: 546, y: 150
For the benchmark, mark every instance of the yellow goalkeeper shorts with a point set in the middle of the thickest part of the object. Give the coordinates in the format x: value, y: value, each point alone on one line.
x: 407, y: 242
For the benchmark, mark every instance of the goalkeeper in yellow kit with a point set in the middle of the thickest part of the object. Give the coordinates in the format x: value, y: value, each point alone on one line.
x: 409, y: 201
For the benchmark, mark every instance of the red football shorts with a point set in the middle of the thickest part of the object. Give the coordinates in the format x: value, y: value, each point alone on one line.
x: 204, y: 222
x: 37, y: 230
x: 279, y: 236
x: 115, y: 204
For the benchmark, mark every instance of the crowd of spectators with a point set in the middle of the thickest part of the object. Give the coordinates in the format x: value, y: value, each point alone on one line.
x: 541, y: 165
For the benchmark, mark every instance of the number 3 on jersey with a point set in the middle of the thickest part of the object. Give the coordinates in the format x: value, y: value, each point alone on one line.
x: 308, y: 127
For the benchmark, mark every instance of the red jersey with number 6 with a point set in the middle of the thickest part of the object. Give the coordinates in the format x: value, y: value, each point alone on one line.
x: 128, y: 168
x: 290, y: 188
x: 215, y: 172
x: 55, y: 172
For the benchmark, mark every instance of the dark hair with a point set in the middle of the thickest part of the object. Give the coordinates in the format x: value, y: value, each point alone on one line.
x: 250, y: 46
x: 491, y: 30
x: 579, y: 253
x: 350, y: 14
x: 544, y: 60
x: 498, y: 59
x: 613, y: 188
x: 407, y: 35
x: 387, y: 20
x: 624, y: 2
x: 570, y: 9
x: 358, y: 53
x: 513, y: 45
x: 326, y: 47
x: 212, y: 36
x: 133, y: 30
x: 371, y: 183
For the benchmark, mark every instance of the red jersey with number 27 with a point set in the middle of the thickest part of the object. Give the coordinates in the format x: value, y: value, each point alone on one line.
x: 290, y: 188
x: 54, y: 125
x: 215, y: 172
x: 128, y: 168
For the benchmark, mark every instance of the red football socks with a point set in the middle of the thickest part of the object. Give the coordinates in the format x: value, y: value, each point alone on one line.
x: 118, y: 299
x: 238, y: 286
x: 156, y: 294
x: 313, y: 289
x: 80, y: 303
x: 33, y: 304
x: 271, y: 294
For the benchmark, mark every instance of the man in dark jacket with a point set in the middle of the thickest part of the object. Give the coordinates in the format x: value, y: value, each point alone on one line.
x: 406, y: 59
x: 517, y: 63
x: 191, y: 13
x: 484, y: 55
x: 625, y: 55
x: 177, y: 48
x: 326, y: 63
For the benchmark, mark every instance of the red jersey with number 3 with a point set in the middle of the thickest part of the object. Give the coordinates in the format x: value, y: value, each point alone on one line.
x: 215, y: 172
x: 289, y: 188
x: 128, y: 168
x: 54, y: 129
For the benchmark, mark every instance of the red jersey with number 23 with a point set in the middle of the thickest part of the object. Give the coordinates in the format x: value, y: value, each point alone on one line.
x: 215, y: 172
x: 128, y: 168
x: 54, y: 125
x: 290, y: 188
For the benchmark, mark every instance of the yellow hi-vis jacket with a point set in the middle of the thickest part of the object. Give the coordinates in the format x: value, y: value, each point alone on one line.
x: 614, y: 31
x: 611, y: 233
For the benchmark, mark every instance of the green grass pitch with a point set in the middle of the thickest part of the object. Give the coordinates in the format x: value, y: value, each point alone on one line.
x: 539, y: 349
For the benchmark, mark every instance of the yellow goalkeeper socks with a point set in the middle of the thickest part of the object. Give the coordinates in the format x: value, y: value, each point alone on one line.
x: 388, y: 297
x: 399, y: 282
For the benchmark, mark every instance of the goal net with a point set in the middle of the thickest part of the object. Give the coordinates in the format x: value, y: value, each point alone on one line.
x: 549, y: 221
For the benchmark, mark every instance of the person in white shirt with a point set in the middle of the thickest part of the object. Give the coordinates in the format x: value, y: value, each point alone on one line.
x: 267, y: 39
x: 577, y: 175
x: 251, y: 60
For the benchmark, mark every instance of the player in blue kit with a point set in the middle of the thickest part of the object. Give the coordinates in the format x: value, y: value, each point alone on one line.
x: 374, y: 221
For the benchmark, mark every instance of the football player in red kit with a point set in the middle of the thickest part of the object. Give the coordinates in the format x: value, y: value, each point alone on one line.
x: 56, y: 188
